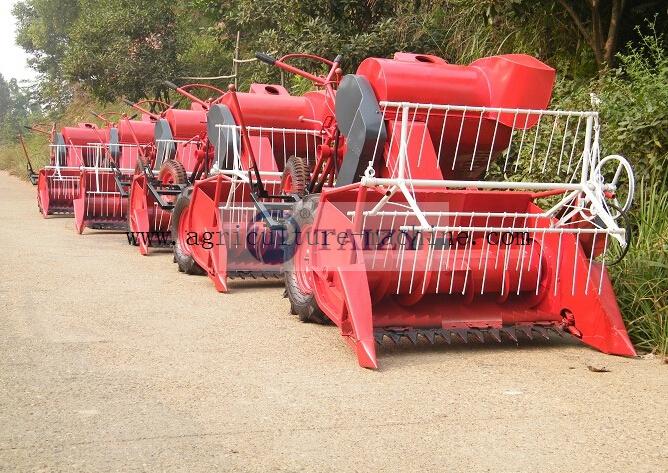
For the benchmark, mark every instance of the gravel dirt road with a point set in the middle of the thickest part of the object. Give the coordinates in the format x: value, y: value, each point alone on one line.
x: 110, y: 361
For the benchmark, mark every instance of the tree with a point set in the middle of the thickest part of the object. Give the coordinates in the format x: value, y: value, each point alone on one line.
x: 115, y: 48
x: 17, y: 107
x: 5, y: 99
x: 43, y: 28
x: 599, y: 22
x: 123, y: 47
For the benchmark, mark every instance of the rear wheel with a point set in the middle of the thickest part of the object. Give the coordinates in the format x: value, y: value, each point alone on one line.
x: 131, y: 241
x: 182, y: 255
x: 172, y: 172
x: 295, y: 176
x: 39, y: 202
x: 297, y: 270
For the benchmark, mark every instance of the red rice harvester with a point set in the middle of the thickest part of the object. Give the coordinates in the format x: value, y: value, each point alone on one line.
x: 257, y: 136
x: 182, y: 155
x: 102, y: 200
x: 462, y: 209
x: 71, y: 149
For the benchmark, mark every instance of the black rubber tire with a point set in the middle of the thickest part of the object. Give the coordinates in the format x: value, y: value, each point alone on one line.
x: 175, y: 169
x: 185, y: 262
x: 39, y: 202
x: 302, y: 304
x: 131, y: 241
x: 297, y: 169
x: 292, y: 309
x: 138, y: 170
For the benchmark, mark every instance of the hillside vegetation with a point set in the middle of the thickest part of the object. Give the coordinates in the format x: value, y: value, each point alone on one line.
x: 91, y: 53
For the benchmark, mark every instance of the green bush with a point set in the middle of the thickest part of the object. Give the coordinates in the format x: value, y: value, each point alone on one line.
x: 634, y: 108
x: 633, y: 105
x: 641, y: 278
x: 634, y: 117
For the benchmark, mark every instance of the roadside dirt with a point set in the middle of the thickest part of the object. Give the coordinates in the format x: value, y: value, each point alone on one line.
x: 114, y: 361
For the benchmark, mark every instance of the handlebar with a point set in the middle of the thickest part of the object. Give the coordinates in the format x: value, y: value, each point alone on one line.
x: 312, y: 57
x: 282, y: 63
x: 184, y: 90
x: 105, y: 116
x: 36, y: 129
x: 171, y: 85
x: 138, y: 106
x: 153, y: 102
x: 99, y: 116
x: 266, y: 58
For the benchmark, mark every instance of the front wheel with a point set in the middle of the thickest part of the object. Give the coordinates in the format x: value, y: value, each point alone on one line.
x: 297, y: 270
x: 172, y: 172
x: 182, y: 255
x: 295, y: 176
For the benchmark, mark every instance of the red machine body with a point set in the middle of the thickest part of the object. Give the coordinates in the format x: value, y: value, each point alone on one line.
x: 278, y: 126
x: 285, y: 111
x: 70, y: 149
x: 508, y: 81
x: 189, y: 132
x: 100, y: 204
x: 81, y: 143
x: 181, y: 150
x: 131, y: 132
x: 186, y: 123
x: 273, y: 116
x: 420, y: 249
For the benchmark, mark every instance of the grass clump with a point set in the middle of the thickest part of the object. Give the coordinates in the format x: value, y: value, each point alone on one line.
x: 641, y: 278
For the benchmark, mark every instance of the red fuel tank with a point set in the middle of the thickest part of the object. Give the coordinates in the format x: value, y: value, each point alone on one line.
x: 141, y: 129
x: 276, y: 110
x: 84, y: 135
x: 186, y: 124
x: 268, y: 89
x: 508, y: 81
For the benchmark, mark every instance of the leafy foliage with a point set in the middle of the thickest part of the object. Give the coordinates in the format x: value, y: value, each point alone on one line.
x: 43, y: 28
x: 5, y: 98
x: 122, y: 48
x: 641, y: 279
x: 635, y: 105
x: 17, y: 108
